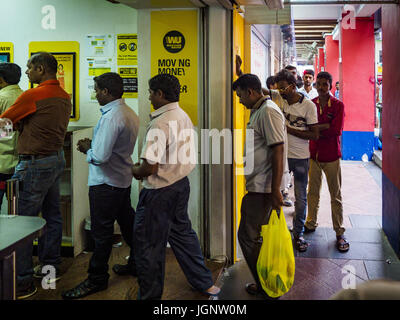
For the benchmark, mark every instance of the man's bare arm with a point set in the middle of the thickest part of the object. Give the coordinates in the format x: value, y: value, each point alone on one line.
x: 312, y: 134
x: 277, y: 172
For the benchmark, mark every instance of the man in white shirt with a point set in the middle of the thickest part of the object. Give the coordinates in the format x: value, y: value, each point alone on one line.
x: 168, y: 156
x: 266, y: 147
x: 308, y: 90
x: 301, y: 120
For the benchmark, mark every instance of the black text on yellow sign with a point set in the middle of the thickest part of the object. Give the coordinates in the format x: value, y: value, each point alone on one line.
x: 127, y: 48
x: 130, y: 81
x: 175, y: 67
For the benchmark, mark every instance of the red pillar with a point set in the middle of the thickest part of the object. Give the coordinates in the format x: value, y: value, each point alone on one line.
x: 321, y: 59
x: 332, y: 59
x: 316, y: 64
x: 358, y: 89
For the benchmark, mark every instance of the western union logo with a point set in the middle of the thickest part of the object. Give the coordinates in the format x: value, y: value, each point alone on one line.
x: 174, y: 41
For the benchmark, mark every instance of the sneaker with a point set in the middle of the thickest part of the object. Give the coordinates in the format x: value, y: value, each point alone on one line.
x: 26, y: 292
x: 38, y: 273
x: 124, y: 270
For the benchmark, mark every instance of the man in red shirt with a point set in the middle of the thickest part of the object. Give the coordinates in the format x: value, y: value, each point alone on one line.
x: 42, y: 115
x: 325, y: 156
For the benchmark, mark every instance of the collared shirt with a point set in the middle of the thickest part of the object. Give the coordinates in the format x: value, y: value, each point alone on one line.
x: 43, y: 114
x: 300, y: 116
x: 8, y: 147
x: 310, y: 95
x: 114, y: 139
x: 169, y: 142
x: 268, y: 125
x: 327, y: 147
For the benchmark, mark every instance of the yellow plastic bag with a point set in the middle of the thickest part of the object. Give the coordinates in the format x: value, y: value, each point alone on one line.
x: 275, y: 264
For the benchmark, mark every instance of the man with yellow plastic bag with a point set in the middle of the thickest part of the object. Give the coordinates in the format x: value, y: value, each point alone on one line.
x: 267, y: 147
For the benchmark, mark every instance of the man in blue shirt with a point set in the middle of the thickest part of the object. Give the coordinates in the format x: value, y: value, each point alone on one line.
x: 110, y: 177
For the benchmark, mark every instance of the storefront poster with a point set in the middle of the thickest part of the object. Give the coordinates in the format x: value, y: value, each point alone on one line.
x: 129, y: 76
x: 174, y: 50
x: 127, y: 49
x: 67, y: 56
x: 6, y: 52
x: 66, y: 75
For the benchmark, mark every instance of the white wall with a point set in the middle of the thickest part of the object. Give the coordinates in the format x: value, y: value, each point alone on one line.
x: 21, y: 23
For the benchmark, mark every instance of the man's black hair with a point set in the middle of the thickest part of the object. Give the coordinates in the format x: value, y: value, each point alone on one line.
x: 285, y: 75
x: 10, y: 72
x: 309, y: 71
x: 113, y: 82
x: 299, y: 82
x: 45, y: 59
x: 247, y: 81
x: 290, y: 67
x: 270, y: 81
x: 337, y: 82
x: 168, y: 84
x: 327, y: 76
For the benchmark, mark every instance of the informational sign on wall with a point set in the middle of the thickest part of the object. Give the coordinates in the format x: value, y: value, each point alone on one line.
x: 98, y: 66
x: 129, y: 76
x: 174, y: 50
x: 67, y: 55
x: 6, y: 52
x: 127, y: 49
x: 100, y: 45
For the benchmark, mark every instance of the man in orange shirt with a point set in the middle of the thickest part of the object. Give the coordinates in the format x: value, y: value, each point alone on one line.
x: 42, y: 115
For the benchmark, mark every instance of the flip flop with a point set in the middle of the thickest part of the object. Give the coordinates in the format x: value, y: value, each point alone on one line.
x: 342, y: 244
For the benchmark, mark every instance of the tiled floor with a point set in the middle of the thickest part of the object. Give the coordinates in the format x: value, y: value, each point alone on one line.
x: 322, y: 270
x: 74, y: 270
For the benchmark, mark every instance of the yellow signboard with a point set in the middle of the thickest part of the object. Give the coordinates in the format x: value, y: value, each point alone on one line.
x: 174, y: 50
x: 127, y: 49
x: 6, y: 52
x: 129, y: 77
x: 67, y: 56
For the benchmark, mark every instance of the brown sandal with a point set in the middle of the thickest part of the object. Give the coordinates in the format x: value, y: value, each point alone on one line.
x: 300, y: 244
x: 342, y: 244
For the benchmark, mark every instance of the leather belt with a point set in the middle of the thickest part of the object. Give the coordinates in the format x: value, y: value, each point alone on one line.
x: 36, y: 156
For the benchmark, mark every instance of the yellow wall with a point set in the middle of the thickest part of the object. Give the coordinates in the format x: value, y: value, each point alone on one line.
x: 240, y: 118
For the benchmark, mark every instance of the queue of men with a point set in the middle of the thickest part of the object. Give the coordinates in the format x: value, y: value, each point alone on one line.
x: 312, y: 128
x: 292, y: 133
x: 41, y: 116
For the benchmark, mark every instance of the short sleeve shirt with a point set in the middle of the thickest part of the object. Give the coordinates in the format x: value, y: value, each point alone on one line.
x: 267, y: 128
x: 299, y: 116
x: 170, y: 142
x: 310, y: 95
